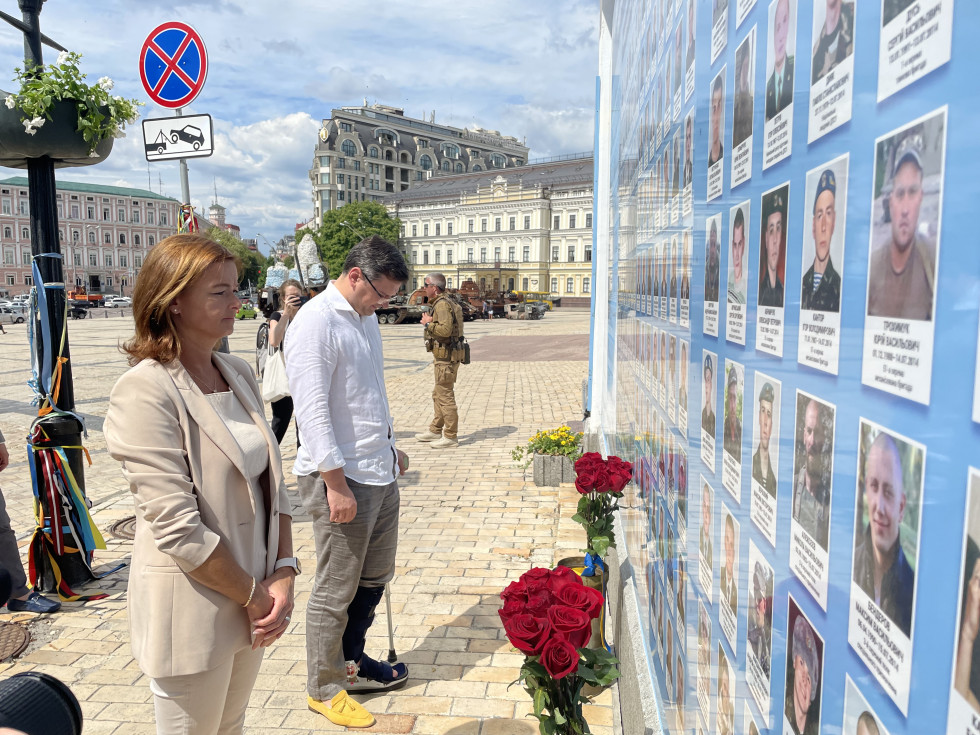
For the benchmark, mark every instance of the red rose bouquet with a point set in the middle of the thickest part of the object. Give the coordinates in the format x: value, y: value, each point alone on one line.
x: 547, y: 616
x: 601, y: 483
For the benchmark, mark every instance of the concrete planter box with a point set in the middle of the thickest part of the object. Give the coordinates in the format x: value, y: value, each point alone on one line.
x: 551, y: 470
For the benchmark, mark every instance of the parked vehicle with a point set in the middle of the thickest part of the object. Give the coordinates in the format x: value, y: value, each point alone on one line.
x: 80, y: 294
x: 15, y: 314
x: 115, y: 302
x: 246, y: 311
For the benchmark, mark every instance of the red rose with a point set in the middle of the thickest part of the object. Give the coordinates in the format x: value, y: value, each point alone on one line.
x: 511, y: 608
x: 527, y: 633
x: 539, y: 602
x: 585, y: 481
x: 515, y: 591
x: 536, y: 579
x: 559, y: 657
x: 574, y: 624
x: 580, y: 597
x: 588, y: 460
x: 618, y: 480
x: 602, y: 480
x: 562, y: 577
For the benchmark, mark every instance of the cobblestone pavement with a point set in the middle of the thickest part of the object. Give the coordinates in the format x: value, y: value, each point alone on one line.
x: 470, y: 523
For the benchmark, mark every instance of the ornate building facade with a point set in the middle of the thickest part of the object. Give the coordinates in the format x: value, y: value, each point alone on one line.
x: 366, y: 152
x: 521, y: 229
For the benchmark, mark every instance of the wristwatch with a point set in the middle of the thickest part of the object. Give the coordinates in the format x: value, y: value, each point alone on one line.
x: 288, y: 561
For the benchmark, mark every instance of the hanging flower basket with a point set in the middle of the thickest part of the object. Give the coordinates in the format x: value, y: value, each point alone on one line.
x: 58, y: 138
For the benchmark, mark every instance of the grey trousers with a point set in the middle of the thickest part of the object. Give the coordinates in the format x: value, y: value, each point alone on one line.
x: 348, y: 555
x: 9, y: 555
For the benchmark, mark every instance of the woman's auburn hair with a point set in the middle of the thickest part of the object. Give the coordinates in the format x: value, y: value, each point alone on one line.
x: 170, y: 268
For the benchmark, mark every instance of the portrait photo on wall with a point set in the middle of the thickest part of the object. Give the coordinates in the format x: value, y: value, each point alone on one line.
x: 731, y: 474
x: 770, y: 315
x: 765, y: 454
x: 738, y: 275
x: 887, y: 521
x: 758, y: 668
x: 859, y: 718
x: 804, y: 668
x: 831, y: 66
x: 743, y: 110
x: 780, y: 81
x: 813, y: 471
x: 685, y: 286
x: 689, y: 149
x: 716, y: 136
x: 706, y: 542
x: 704, y: 661
x: 690, y: 49
x: 964, y: 700
x: 709, y: 363
x: 726, y: 694
x: 728, y: 578
x: 903, y: 258
x: 824, y: 225
x: 714, y: 237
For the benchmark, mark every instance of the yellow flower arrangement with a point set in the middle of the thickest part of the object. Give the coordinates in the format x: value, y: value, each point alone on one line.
x: 560, y: 441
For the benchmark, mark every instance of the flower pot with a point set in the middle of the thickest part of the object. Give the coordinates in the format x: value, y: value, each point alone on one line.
x: 551, y: 470
x: 598, y: 582
x: 58, y: 138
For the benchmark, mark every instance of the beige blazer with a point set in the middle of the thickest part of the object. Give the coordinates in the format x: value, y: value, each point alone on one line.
x: 186, y: 473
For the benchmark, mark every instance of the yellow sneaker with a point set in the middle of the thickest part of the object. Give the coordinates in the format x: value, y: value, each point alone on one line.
x: 342, y: 710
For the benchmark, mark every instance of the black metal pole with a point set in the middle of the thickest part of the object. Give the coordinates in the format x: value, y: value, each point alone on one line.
x: 61, y: 430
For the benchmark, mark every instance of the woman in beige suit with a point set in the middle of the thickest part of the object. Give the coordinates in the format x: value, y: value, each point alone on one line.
x: 211, y: 581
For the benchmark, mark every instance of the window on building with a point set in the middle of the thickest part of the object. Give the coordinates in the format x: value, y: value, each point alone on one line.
x: 11, y: 279
x: 121, y: 214
x: 571, y: 253
x: 557, y: 222
x: 340, y: 178
x: 438, y: 257
x: 449, y: 257
x: 136, y: 239
x: 459, y: 168
x: 25, y: 233
x: 588, y: 252
x: 469, y: 255
x: 483, y: 225
x: 28, y: 280
x: 446, y: 166
x: 571, y: 221
x: 373, y: 152
x: 415, y: 257
x: 497, y: 160
x: 78, y: 258
x: 348, y: 147
x: 470, y: 225
x: 8, y: 257
x: 512, y: 222
x: 483, y: 255
x: 449, y: 228
x: 25, y: 257
x: 108, y: 281
x: 150, y: 241
x: 93, y: 260
x: 136, y: 217
x: 425, y: 162
x: 357, y: 164
x: 449, y: 282
x: 91, y: 237
x: 569, y: 285
x: 423, y: 143
x: 6, y: 207
x: 425, y: 230
x: 107, y: 238
x: 108, y: 260
x: 510, y: 253
x: 527, y: 222
x: 524, y: 284
x: 340, y: 196
x: 477, y: 167
x: 415, y: 230
x: 74, y: 211
x: 588, y: 220
x: 554, y: 285
x: 496, y: 255
x: 341, y: 162
x: 25, y: 208
x: 496, y: 224
x: 438, y: 229
x: 451, y: 150
x: 419, y: 176
x: 89, y: 212
x: 137, y: 261
x: 105, y: 215
x: 526, y: 255
x: 8, y: 233
x: 163, y: 219
x: 122, y: 238
x: 554, y: 253
x: 425, y: 257
x: 123, y: 260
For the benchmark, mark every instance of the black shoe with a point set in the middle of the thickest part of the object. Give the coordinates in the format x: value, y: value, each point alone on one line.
x: 34, y: 603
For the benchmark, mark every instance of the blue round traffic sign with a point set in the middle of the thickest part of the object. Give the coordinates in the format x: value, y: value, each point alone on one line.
x: 173, y: 64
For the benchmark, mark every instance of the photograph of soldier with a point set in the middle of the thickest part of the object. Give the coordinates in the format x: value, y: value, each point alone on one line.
x: 704, y: 648
x: 890, y: 471
x: 737, y: 275
x: 859, y: 718
x: 663, y: 353
x: 681, y: 594
x: 678, y: 58
x: 782, y: 34
x: 813, y: 466
x: 682, y: 485
x: 966, y: 664
x: 804, y: 659
x: 760, y: 615
x: 905, y: 229
x: 682, y: 393
x: 761, y: 460
x: 835, y: 41
x: 821, y: 282
x: 674, y: 267
x: 708, y: 402
x: 712, y: 265
x: 656, y: 279
x: 733, y: 411
x: 728, y: 579
x: 689, y: 146
x: 726, y: 695
x: 772, y: 250
x: 690, y: 34
x: 704, y: 542
x: 676, y: 159
x: 686, y: 265
x: 744, y: 92
x: 716, y: 151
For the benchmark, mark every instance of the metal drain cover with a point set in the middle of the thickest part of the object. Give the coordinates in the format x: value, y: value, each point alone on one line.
x: 13, y: 640
x: 126, y: 528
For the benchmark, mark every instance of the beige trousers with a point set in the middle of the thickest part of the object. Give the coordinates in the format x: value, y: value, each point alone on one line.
x: 446, y: 421
x: 209, y: 703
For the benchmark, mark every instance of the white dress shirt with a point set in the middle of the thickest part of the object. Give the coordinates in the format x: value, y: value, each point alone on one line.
x: 335, y: 368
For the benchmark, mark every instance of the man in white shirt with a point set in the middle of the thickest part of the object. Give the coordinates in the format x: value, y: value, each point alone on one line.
x: 347, y: 467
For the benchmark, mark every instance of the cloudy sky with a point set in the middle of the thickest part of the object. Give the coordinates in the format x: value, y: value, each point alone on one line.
x: 523, y: 67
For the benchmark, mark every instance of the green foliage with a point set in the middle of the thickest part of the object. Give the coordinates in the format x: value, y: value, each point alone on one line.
x: 595, y: 513
x: 343, y: 228
x: 100, y: 114
x: 252, y: 262
x: 561, y: 441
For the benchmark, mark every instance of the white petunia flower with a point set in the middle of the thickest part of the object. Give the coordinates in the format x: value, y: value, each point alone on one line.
x: 120, y: 133
x: 63, y: 57
x: 93, y: 154
x: 11, y: 102
x: 106, y: 83
x: 28, y: 127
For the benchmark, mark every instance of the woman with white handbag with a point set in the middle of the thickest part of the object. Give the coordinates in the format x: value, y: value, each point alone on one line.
x: 275, y: 389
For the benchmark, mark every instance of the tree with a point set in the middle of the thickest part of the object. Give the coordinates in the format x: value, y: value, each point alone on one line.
x: 343, y: 228
x: 252, y: 262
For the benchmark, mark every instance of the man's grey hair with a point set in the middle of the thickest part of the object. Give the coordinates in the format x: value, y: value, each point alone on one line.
x: 869, y: 722
x: 438, y: 280
x: 376, y: 257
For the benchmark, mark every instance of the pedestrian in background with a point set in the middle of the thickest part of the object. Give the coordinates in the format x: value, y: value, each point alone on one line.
x: 211, y: 581
x: 443, y: 325
x: 347, y: 467
x: 291, y: 296
x: 22, y: 598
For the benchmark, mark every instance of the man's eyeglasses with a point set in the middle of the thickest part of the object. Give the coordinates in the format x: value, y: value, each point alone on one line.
x: 380, y: 295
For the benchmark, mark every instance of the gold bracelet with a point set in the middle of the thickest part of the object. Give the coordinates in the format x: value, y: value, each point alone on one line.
x: 251, y: 594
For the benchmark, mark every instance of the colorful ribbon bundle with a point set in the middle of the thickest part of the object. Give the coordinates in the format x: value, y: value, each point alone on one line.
x: 186, y: 222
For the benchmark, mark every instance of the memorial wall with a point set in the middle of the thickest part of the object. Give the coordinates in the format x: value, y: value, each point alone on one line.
x: 791, y: 355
